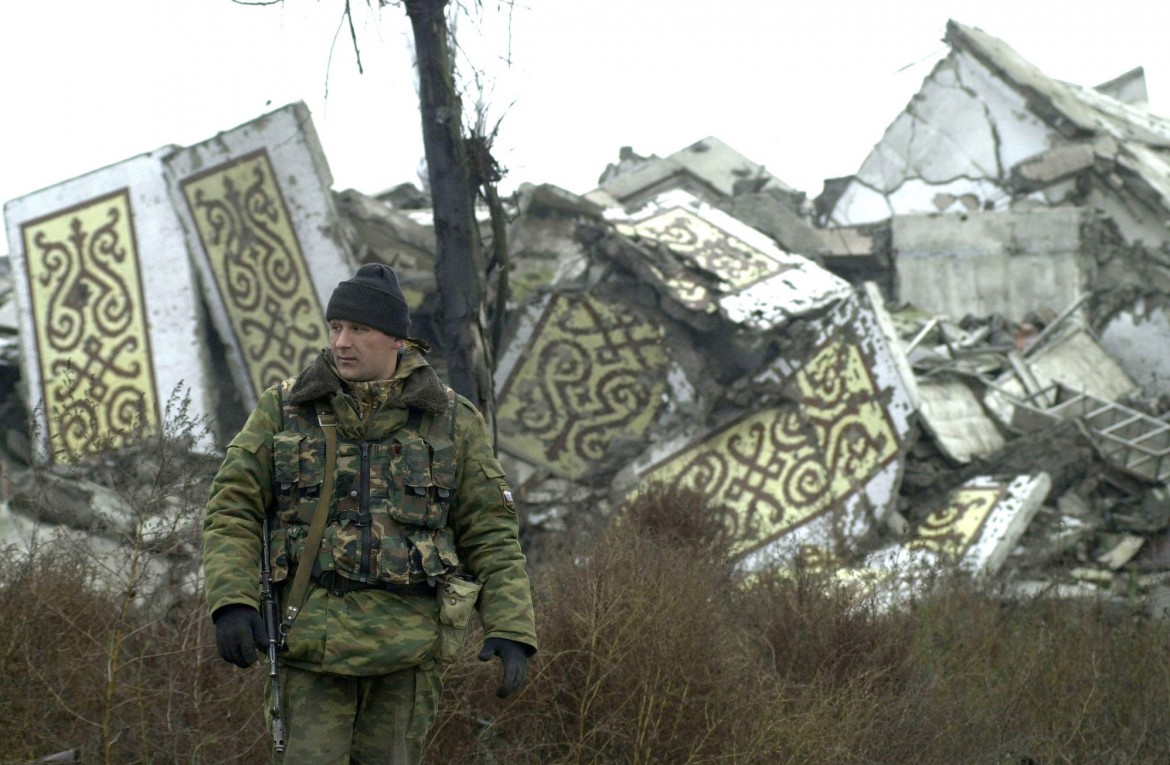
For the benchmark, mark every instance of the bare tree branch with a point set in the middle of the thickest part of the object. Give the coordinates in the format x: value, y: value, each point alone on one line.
x: 346, y: 15
x: 353, y: 36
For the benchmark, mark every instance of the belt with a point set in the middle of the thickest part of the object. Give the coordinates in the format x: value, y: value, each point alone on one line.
x: 339, y: 585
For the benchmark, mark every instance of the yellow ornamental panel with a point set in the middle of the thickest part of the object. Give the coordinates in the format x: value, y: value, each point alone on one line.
x: 775, y: 470
x: 591, y: 374
x: 258, y: 267
x: 839, y: 402
x: 764, y: 473
x: 713, y: 261
x: 949, y: 532
x: 85, y: 286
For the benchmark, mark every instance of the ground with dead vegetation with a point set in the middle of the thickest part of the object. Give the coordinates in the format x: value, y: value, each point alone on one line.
x: 653, y: 650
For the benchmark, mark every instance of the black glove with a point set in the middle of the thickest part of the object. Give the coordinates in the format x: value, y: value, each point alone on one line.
x: 239, y: 631
x: 515, y: 658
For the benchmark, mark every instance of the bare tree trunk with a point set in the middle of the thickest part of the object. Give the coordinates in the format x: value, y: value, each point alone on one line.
x: 459, y: 262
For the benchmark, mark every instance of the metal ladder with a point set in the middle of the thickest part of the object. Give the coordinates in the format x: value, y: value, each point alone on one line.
x: 1133, y: 441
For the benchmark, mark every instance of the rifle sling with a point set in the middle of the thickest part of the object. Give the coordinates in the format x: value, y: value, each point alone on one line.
x: 300, y: 584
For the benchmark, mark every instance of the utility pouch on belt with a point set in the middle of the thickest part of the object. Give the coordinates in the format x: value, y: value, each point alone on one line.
x: 457, y: 598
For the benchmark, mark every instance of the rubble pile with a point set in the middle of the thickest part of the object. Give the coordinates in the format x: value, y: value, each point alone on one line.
x: 950, y: 359
x: 1105, y: 514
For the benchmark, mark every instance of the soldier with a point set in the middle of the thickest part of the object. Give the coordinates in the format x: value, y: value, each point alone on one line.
x: 389, y: 512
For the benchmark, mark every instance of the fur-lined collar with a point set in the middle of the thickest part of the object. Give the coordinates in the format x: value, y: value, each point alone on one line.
x: 422, y: 388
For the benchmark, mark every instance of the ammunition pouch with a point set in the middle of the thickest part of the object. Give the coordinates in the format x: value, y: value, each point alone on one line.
x: 457, y: 597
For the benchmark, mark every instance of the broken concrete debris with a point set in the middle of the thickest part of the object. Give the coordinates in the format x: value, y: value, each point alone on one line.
x: 172, y: 287
x: 974, y: 528
x: 943, y: 361
x: 120, y: 277
x: 94, y: 327
x: 1029, y: 144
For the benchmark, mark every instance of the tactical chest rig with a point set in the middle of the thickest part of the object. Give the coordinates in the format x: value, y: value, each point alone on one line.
x: 362, y: 514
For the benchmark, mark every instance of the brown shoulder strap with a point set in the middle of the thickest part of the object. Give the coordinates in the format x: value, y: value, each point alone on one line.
x: 300, y: 584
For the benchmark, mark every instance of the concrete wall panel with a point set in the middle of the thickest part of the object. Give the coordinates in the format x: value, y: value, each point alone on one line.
x: 984, y: 263
x: 110, y: 322
x: 958, y: 137
x: 982, y: 521
x: 975, y: 529
x: 585, y: 374
x: 722, y: 267
x: 1138, y: 340
x: 257, y: 204
x: 820, y: 467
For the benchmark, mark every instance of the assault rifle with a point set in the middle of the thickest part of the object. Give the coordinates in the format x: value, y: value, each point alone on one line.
x: 271, y: 624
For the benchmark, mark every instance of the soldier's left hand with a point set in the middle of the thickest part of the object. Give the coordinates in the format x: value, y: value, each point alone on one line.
x: 514, y: 655
x: 239, y: 632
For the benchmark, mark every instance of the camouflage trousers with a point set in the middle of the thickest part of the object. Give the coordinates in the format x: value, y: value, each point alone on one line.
x: 342, y: 720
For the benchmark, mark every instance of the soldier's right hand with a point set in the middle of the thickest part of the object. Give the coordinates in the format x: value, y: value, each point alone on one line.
x: 239, y: 631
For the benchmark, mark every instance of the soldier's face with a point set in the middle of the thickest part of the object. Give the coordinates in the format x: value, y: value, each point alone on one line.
x: 363, y: 353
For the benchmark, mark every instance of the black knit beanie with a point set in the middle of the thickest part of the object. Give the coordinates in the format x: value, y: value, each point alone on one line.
x: 372, y: 297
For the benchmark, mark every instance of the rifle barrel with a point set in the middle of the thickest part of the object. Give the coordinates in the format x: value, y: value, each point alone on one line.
x: 270, y: 610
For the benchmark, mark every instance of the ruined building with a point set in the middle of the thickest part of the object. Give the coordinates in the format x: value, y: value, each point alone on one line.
x: 943, y: 360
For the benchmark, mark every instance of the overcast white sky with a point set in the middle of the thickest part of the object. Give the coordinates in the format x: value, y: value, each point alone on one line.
x: 805, y: 89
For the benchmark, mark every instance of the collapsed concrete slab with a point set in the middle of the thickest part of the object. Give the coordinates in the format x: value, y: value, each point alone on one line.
x: 980, y: 112
x: 545, y: 247
x: 666, y: 338
x: 1072, y: 358
x: 989, y: 134
x: 257, y: 204
x: 682, y: 346
x: 815, y: 461
x: 983, y: 263
x: 772, y: 212
x: 110, y: 314
x: 113, y: 270
x: 708, y: 169
x: 954, y: 416
x: 1064, y: 375
x: 379, y: 233
x: 715, y: 267
x: 981, y: 521
x: 582, y: 385
x: 974, y: 529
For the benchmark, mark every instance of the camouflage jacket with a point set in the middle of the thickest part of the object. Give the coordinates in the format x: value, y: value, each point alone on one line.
x: 410, y: 501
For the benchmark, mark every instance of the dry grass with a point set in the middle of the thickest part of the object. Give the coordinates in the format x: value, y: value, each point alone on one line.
x: 122, y: 687
x: 652, y: 651
x: 112, y: 654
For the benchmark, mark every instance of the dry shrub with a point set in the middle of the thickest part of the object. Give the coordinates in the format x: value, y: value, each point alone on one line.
x: 122, y: 686
x: 987, y: 679
x: 653, y: 651
x: 1041, y: 677
x: 105, y: 644
x: 681, y: 517
x: 641, y: 661
x: 817, y: 630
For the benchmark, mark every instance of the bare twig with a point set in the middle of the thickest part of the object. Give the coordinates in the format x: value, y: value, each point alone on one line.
x: 353, y: 36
